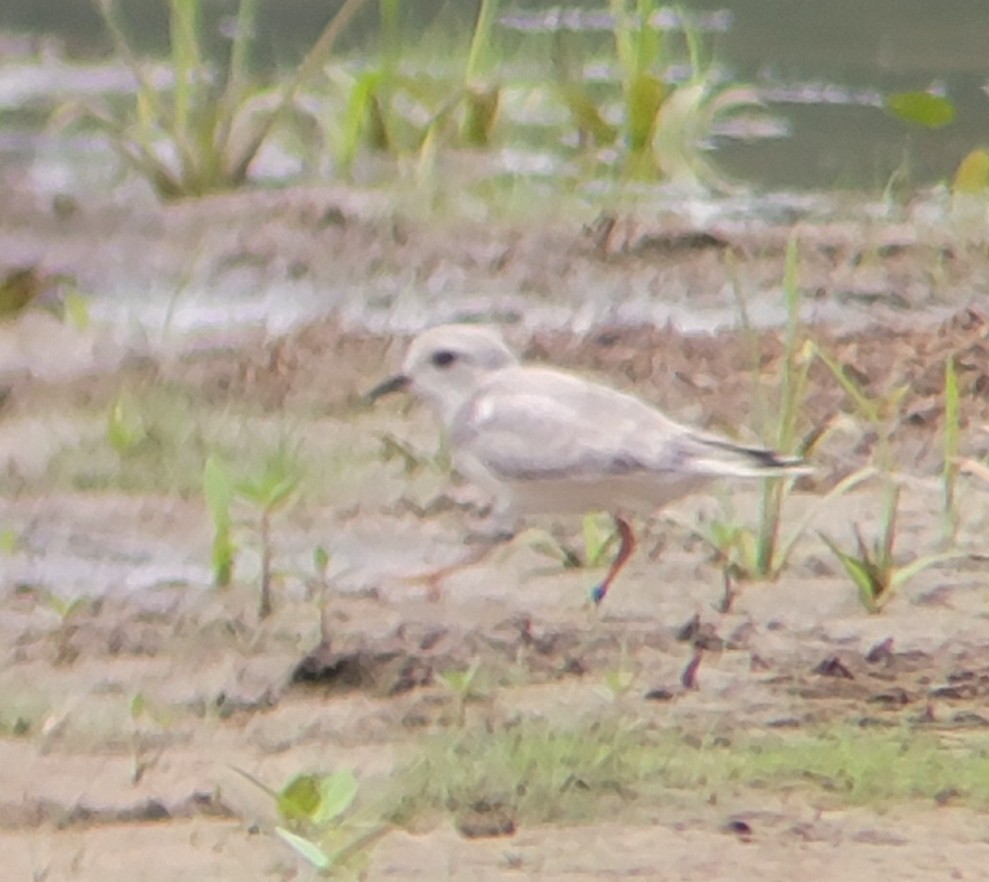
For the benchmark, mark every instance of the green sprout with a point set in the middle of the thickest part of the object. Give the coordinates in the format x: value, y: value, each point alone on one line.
x: 218, y: 488
x: 126, y: 428
x: 873, y: 568
x: 269, y: 492
x: 461, y: 684
x: 319, y: 824
x: 598, y: 535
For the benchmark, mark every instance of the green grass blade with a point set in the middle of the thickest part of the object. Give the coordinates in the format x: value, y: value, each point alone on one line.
x: 390, y: 16
x: 850, y: 482
x: 862, y: 402
x: 238, y: 70
x: 308, y: 850
x: 121, y: 45
x: 891, y: 503
x: 184, y: 30
x: 647, y: 39
x: 312, y: 63
x: 770, y: 507
x: 480, y: 44
x: 860, y: 572
x: 905, y: 573
x: 622, y: 30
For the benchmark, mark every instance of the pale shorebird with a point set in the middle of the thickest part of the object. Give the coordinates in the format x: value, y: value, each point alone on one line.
x: 545, y: 441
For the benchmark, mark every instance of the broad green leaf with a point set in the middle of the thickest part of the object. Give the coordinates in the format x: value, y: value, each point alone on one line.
x: 308, y: 850
x: 972, y: 174
x: 922, y: 109
x: 337, y: 792
x: 300, y: 799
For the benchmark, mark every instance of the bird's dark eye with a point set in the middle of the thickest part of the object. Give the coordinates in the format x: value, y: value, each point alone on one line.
x: 443, y: 358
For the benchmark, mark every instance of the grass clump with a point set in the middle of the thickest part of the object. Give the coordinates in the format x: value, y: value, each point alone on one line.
x: 544, y: 774
x: 873, y: 567
x: 763, y: 551
x: 664, y: 123
x: 203, y: 131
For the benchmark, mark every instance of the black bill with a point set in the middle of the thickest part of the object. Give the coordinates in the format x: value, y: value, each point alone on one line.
x: 392, y: 384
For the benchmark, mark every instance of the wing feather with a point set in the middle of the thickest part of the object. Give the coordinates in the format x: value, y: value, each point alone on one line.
x: 533, y: 423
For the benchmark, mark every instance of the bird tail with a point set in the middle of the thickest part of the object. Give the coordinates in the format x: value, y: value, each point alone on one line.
x: 716, y: 456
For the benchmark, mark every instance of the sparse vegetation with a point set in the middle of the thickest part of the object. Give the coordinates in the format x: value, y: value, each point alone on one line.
x: 319, y: 824
x: 268, y: 493
x: 203, y: 131
x: 598, y: 536
x: 873, y: 568
x: 544, y: 774
x: 265, y: 493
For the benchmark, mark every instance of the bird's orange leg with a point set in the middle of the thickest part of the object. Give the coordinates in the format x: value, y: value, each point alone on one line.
x: 625, y: 548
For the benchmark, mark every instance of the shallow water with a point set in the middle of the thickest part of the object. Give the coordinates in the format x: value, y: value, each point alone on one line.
x: 821, y: 68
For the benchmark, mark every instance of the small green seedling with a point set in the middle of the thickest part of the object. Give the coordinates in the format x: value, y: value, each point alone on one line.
x: 873, y: 568
x: 321, y: 563
x: 618, y: 681
x: 126, y: 429
x: 598, y: 534
x: 269, y: 492
x: 218, y: 488
x: 145, y: 756
x: 67, y: 611
x: 461, y: 684
x: 318, y: 824
x: 739, y: 550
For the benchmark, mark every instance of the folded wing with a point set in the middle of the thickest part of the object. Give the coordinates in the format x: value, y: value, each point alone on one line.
x: 531, y: 424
